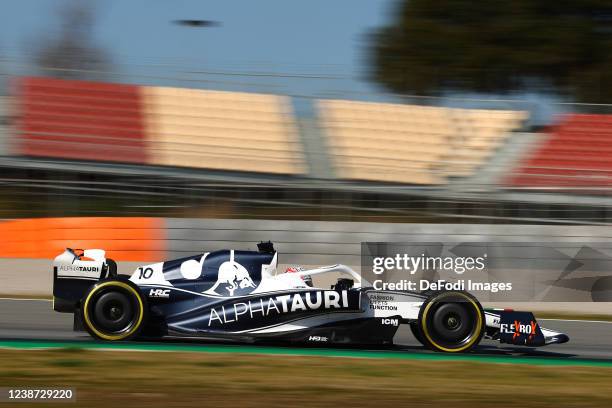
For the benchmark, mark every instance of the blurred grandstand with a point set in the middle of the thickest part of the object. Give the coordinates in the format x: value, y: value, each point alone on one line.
x: 89, y: 148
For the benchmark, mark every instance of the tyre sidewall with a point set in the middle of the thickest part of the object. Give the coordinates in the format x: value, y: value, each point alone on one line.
x: 125, y: 286
x: 426, y: 338
x: 416, y: 332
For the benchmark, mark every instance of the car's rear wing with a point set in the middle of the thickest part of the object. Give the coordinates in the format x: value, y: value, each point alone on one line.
x: 74, y: 271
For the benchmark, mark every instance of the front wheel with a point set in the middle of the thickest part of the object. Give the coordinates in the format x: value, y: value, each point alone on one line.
x: 451, y: 322
x: 114, y: 310
x: 416, y: 332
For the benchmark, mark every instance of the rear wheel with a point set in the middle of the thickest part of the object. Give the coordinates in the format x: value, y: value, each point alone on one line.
x: 114, y: 310
x: 451, y: 322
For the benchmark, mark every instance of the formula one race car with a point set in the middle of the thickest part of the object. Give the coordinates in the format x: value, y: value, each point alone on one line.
x: 237, y: 295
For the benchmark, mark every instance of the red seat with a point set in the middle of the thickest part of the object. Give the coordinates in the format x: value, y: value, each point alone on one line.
x: 578, y: 153
x: 81, y: 120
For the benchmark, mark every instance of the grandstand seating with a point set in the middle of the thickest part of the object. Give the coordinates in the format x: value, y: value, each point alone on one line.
x: 477, y: 133
x: 384, y: 142
x: 577, y: 153
x: 155, y: 125
x: 409, y: 143
x: 222, y: 130
x: 231, y: 131
x: 80, y: 120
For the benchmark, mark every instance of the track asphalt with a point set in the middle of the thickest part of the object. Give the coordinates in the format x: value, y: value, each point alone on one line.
x: 31, y: 324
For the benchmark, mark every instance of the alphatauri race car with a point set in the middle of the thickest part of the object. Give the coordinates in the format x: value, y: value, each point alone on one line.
x: 235, y: 295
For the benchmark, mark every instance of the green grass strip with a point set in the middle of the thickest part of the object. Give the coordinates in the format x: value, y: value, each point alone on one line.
x: 317, y: 352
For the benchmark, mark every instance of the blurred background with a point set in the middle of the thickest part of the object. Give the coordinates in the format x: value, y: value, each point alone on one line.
x: 316, y: 124
x: 157, y: 129
x: 399, y: 111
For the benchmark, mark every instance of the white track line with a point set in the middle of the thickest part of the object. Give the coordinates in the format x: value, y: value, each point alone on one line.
x: 28, y: 299
x: 575, y: 320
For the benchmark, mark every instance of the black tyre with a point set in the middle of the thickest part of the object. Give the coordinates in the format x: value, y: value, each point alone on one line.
x: 451, y: 321
x: 114, y: 310
x: 416, y: 332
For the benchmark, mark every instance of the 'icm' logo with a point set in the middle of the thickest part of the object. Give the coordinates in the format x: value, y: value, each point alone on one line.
x: 159, y: 293
x: 390, y: 322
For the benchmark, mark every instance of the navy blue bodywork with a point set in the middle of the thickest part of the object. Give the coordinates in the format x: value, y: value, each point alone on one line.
x: 247, y: 316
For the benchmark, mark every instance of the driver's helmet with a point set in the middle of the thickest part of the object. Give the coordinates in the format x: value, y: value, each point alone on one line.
x: 306, y: 278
